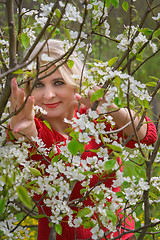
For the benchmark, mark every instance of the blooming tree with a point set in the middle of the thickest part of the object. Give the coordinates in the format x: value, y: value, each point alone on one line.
x: 78, y: 24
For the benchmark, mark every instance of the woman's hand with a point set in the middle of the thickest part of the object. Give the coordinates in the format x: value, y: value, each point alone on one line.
x: 23, y: 122
x: 86, y: 101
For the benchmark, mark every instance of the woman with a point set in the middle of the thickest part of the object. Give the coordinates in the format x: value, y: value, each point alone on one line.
x: 56, y: 92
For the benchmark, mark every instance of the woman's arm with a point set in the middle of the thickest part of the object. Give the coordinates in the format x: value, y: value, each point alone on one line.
x: 120, y: 116
x: 23, y: 123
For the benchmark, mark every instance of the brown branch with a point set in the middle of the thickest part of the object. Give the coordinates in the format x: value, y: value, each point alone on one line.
x: 28, y: 213
x: 12, y: 54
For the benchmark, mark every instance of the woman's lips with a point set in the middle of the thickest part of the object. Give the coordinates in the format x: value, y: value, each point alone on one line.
x: 52, y: 105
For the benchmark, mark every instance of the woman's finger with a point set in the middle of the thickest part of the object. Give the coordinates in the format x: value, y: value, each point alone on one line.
x: 29, y: 108
x: 20, y: 98
x: 14, y: 93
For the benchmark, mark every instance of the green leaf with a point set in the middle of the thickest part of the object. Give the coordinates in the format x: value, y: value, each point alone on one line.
x: 115, y: 3
x: 140, y: 172
x: 112, y: 61
x: 35, y: 172
x: 87, y: 173
x: 100, y: 195
x: 154, y: 78
x: 67, y: 32
x: 50, y: 224
x: 87, y: 224
x: 57, y: 31
x: 47, y: 124
x: 109, y: 164
x: 58, y: 13
x: 81, y: 147
x: 146, y: 31
x: 2, y: 205
x: 144, y: 103
x: 83, y: 190
x: 73, y: 146
x: 153, y: 195
x: 51, y: 154
x: 151, y: 84
x: 125, y: 6
x: 25, y: 40
x: 114, y: 147
x: 117, y: 81
x: 156, y: 34
x: 58, y: 228
x: 83, y: 212
x: 19, y: 71
x: 70, y: 63
x: 112, y: 216
x: 55, y: 159
x: 97, y: 94
x: 11, y: 136
x: 108, y: 3
x: 139, y: 57
x: 23, y: 196
x: 130, y: 172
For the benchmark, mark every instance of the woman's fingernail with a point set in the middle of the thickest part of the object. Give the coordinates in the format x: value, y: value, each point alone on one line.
x: 14, y: 80
x: 78, y: 96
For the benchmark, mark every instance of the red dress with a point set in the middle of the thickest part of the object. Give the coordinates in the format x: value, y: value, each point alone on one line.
x: 68, y: 233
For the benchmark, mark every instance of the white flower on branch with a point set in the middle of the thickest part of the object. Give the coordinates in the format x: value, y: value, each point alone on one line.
x: 46, y: 58
x: 157, y: 18
x: 77, y: 222
x: 143, y: 185
x: 97, y: 232
x: 71, y: 13
x: 84, y: 137
x: 39, y: 109
x: 46, y: 9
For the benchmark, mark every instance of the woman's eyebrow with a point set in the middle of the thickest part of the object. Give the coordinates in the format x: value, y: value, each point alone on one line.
x: 59, y: 78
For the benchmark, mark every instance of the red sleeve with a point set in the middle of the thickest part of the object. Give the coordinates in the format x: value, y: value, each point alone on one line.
x: 150, y: 138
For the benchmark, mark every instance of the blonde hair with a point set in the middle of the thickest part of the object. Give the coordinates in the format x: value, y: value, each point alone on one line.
x: 54, y: 49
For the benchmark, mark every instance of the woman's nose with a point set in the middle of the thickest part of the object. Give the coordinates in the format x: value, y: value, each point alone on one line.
x: 49, y: 93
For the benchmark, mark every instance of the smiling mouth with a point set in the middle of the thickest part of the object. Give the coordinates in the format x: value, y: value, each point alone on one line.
x: 52, y: 105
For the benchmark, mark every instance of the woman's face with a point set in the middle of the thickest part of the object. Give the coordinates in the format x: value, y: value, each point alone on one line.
x: 54, y: 95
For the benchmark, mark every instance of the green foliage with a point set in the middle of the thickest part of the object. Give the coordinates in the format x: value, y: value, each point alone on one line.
x: 111, y: 216
x: 58, y: 228
x: 70, y: 63
x: 74, y: 147
x: 2, y: 205
x: 23, y: 196
x: 109, y: 165
x: 83, y: 212
x: 97, y: 94
x: 35, y: 172
x: 25, y: 40
x: 125, y: 6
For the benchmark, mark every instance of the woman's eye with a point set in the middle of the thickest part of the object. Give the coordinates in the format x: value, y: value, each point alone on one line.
x: 58, y: 83
x: 39, y: 84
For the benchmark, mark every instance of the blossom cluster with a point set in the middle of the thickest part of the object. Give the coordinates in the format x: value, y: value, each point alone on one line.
x: 126, y: 37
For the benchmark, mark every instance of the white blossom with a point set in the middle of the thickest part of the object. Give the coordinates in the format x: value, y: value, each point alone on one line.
x: 157, y: 18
